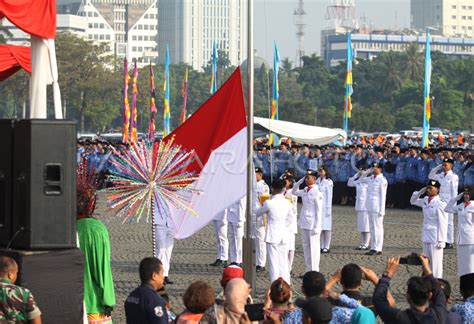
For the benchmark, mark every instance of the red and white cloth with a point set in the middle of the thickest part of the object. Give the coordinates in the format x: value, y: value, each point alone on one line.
x: 217, y: 132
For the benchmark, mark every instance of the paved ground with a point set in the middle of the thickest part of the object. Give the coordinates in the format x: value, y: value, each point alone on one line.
x: 191, y: 257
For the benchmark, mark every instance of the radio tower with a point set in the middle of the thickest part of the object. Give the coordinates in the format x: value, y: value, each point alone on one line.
x: 342, y: 14
x: 298, y: 16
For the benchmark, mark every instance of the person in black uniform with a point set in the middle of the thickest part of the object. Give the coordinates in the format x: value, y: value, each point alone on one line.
x: 144, y: 305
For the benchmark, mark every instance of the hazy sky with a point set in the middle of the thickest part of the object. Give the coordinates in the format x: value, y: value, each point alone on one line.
x: 274, y: 21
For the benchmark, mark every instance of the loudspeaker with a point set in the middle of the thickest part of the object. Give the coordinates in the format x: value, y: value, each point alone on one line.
x: 44, y: 184
x: 56, y: 280
x: 6, y: 171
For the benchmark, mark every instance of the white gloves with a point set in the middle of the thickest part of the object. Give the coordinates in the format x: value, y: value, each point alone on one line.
x: 422, y: 191
x: 440, y: 245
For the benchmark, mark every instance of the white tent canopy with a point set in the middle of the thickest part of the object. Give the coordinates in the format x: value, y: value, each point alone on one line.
x: 304, y: 134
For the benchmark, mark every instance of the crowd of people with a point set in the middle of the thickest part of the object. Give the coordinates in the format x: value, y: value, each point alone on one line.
x: 428, y: 298
x: 371, y: 176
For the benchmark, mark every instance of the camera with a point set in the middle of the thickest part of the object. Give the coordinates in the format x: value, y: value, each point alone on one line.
x: 412, y: 259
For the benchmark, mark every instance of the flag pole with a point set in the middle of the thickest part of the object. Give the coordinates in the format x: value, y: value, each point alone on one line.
x: 248, y: 243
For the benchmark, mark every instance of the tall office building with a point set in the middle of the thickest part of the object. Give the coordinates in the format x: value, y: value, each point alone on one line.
x: 128, y: 27
x: 449, y: 17
x: 189, y: 28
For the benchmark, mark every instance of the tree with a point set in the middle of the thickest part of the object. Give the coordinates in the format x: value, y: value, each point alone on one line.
x: 88, y: 83
x: 413, y: 68
x: 388, y: 75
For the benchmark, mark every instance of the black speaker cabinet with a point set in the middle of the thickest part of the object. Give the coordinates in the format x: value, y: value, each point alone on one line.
x: 44, y: 184
x: 6, y: 171
x: 56, y: 280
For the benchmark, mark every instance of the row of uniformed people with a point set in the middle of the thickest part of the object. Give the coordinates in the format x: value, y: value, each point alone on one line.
x: 406, y: 170
x: 435, y: 232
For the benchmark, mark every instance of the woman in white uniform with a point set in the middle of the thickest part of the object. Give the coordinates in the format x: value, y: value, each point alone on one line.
x: 465, y: 239
x: 363, y: 225
x: 325, y: 185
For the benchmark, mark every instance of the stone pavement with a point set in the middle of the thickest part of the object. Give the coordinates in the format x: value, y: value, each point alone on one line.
x: 192, y: 256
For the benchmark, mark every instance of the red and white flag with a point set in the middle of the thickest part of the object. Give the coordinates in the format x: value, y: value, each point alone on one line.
x: 217, y: 132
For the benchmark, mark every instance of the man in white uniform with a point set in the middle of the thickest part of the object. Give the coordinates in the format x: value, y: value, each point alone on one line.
x: 361, y: 208
x: 164, y: 243
x: 376, y: 196
x: 292, y: 225
x: 220, y: 228
x: 279, y: 211
x: 449, y: 189
x: 261, y: 188
x: 310, y: 219
x: 235, y: 223
x: 435, y: 223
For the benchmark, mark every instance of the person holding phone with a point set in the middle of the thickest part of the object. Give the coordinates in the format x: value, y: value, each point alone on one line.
x: 435, y: 224
x: 465, y: 238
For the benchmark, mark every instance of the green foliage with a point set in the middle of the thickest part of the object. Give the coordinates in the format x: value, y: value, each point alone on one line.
x: 388, y: 90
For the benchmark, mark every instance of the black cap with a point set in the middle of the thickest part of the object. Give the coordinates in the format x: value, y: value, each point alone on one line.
x: 290, y: 171
x: 376, y: 165
x: 363, y: 167
x: 287, y: 177
x: 278, y: 184
x: 311, y: 172
x: 317, y: 308
x: 403, y: 150
x: 433, y: 183
x: 258, y: 170
x: 424, y: 151
x: 448, y: 160
x: 378, y: 149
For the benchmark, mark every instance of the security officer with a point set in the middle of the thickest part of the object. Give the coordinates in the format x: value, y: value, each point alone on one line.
x: 220, y: 228
x: 376, y: 196
x: 310, y: 219
x: 261, y: 189
x: 235, y: 223
x: 361, y: 207
x: 401, y: 180
x: 411, y: 170
x: 422, y: 169
x: 279, y: 211
x: 449, y: 189
x: 465, y: 239
x: 144, y: 304
x: 468, y: 171
x: 435, y: 223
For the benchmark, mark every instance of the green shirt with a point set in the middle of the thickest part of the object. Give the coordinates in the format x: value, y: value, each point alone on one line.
x: 17, y: 304
x: 98, y: 282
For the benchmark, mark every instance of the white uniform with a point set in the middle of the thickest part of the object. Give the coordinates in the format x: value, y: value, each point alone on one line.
x: 279, y: 212
x: 292, y: 228
x: 220, y: 227
x: 435, y: 224
x: 261, y: 188
x: 375, y: 204
x: 465, y: 238
x: 361, y: 208
x: 449, y: 189
x: 310, y: 223
x: 164, y: 241
x: 326, y: 187
x: 235, y: 223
